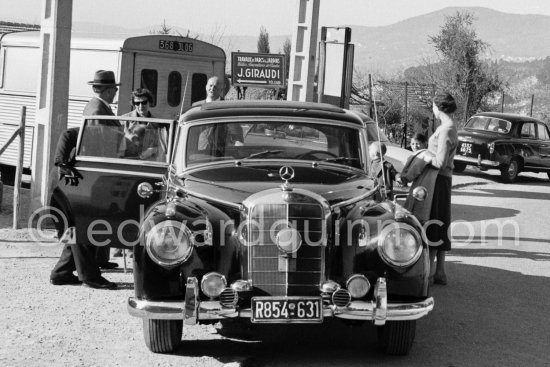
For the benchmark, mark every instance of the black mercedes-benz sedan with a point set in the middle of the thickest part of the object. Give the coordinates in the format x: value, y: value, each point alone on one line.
x: 508, y: 142
x: 269, y: 216
x: 256, y: 212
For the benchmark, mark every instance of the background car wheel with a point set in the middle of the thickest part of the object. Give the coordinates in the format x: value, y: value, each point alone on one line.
x: 510, y: 173
x: 459, y: 166
x: 162, y: 336
x: 397, y: 337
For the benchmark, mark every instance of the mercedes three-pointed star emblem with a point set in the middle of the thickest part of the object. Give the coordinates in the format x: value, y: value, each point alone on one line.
x: 286, y: 173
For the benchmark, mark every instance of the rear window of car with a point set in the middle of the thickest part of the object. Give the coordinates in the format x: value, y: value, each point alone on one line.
x: 492, y: 124
x: 372, y: 134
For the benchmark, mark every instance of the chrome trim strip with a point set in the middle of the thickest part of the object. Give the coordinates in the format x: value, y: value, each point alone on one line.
x: 212, y: 199
x: 212, y: 310
x: 121, y: 172
x: 484, y: 162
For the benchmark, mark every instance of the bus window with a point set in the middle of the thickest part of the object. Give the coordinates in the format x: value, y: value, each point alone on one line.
x: 21, y: 65
x: 198, y: 87
x: 174, y: 89
x: 149, y: 80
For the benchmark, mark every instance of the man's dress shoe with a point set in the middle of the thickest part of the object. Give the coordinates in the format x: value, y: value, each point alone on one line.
x: 99, y: 283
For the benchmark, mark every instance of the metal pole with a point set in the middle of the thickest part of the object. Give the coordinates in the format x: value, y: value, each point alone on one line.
x: 370, y: 96
x: 532, y: 102
x: 321, y: 65
x: 502, y: 103
x: 404, y: 140
x: 347, y: 39
x: 19, y: 170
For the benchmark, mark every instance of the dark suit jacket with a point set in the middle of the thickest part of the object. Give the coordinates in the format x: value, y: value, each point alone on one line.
x: 96, y: 107
x: 66, y: 144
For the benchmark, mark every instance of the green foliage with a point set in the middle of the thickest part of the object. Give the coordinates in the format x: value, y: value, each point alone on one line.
x: 461, y: 70
x: 263, y: 41
x: 543, y: 75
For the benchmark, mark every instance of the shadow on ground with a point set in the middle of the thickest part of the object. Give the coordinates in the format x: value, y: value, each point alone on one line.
x: 473, y: 213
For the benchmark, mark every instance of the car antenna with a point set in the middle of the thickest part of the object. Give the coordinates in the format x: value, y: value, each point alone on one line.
x: 184, y: 93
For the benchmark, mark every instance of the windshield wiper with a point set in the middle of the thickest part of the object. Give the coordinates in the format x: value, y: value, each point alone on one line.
x: 341, y: 159
x: 263, y: 153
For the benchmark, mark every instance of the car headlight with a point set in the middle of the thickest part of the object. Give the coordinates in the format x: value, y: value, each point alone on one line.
x: 212, y: 284
x: 399, y: 244
x: 168, y: 243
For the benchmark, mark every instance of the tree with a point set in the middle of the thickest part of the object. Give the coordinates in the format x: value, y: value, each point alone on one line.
x: 164, y: 29
x: 287, y: 48
x: 263, y: 41
x: 460, y: 69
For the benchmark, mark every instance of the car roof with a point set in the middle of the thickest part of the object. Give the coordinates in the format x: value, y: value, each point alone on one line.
x: 224, y: 109
x: 512, y: 117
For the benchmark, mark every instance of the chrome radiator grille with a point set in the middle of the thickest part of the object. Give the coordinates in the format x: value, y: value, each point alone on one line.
x: 274, y: 272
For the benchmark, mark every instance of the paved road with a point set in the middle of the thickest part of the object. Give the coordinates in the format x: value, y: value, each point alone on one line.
x: 492, y: 313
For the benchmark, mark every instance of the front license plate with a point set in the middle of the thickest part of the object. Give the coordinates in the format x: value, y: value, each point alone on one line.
x: 466, y: 148
x: 287, y: 309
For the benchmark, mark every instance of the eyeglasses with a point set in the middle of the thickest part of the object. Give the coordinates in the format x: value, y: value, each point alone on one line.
x: 140, y: 103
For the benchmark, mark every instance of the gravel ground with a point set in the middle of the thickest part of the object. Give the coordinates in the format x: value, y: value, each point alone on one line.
x: 46, y: 325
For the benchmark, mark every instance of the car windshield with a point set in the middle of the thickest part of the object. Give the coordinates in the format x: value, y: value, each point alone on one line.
x: 486, y: 123
x: 269, y: 140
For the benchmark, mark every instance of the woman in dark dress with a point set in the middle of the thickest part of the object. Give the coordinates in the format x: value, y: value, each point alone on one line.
x: 443, y: 144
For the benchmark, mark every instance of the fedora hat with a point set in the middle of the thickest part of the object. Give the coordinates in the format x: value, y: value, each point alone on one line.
x: 104, y: 78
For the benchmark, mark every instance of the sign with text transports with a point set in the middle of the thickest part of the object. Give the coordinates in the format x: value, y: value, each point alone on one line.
x: 258, y: 70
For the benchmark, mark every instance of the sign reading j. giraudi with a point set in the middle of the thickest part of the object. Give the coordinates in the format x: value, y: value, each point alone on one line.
x: 258, y: 70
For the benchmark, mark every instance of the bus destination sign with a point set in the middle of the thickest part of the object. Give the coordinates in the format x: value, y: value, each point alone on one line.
x: 176, y: 46
x: 258, y: 70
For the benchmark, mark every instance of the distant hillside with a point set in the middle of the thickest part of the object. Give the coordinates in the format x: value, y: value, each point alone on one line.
x: 398, y: 46
x: 404, y: 44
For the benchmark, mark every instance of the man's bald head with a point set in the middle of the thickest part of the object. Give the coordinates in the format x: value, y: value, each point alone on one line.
x: 214, y: 89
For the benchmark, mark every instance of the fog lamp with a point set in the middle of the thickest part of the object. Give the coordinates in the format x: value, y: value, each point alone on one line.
x: 241, y: 285
x: 358, y: 285
x: 212, y: 284
x: 330, y: 286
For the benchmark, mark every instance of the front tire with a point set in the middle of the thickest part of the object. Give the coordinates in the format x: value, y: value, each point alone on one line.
x: 397, y: 337
x: 459, y: 166
x: 162, y: 336
x: 510, y: 172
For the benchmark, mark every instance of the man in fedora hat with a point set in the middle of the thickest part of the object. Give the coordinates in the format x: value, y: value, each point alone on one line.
x: 105, y: 88
x: 86, y: 259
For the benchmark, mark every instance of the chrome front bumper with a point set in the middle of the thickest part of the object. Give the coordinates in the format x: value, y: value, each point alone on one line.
x: 477, y: 161
x: 212, y: 310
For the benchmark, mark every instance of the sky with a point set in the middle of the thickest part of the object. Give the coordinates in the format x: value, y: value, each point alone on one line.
x: 245, y: 17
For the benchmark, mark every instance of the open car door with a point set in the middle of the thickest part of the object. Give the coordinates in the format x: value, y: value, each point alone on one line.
x: 114, y: 155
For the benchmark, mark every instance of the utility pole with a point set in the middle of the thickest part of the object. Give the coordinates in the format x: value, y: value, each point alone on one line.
x: 52, y: 95
x: 304, y: 51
